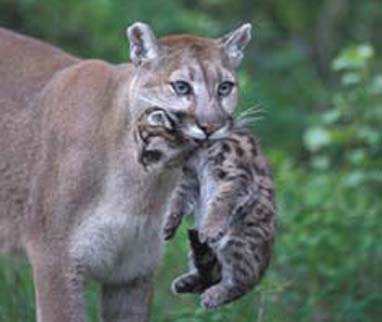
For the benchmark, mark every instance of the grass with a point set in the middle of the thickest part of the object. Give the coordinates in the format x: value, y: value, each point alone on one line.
x: 17, y: 293
x: 326, y: 266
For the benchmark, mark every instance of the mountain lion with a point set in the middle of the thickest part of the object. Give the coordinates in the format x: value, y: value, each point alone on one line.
x: 73, y: 195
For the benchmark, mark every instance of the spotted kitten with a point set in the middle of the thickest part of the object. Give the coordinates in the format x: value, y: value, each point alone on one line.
x: 229, y: 186
x: 228, y: 183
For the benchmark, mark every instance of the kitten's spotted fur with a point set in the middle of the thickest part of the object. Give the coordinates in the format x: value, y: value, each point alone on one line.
x: 230, y: 184
x: 159, y: 139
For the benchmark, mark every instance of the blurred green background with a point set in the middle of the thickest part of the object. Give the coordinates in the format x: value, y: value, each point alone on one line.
x: 313, y: 73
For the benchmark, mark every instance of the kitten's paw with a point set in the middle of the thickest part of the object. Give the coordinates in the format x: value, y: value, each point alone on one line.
x: 213, y: 298
x: 186, y: 283
x: 168, y: 231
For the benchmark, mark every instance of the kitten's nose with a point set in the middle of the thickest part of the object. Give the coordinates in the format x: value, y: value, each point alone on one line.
x: 207, y: 128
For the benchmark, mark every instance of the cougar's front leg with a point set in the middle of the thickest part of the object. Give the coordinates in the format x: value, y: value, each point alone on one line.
x: 127, y: 303
x: 58, y: 288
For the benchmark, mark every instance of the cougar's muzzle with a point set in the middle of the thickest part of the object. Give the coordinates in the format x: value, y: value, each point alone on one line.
x: 193, y: 128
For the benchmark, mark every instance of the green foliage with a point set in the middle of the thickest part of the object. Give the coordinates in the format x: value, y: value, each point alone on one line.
x: 342, y: 191
x: 348, y: 134
x: 321, y: 128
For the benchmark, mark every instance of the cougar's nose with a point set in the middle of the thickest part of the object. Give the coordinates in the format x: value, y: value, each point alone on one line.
x: 217, y: 130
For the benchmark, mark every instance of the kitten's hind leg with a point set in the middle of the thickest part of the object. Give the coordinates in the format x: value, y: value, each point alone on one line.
x: 181, y: 203
x: 239, y: 274
x: 187, y: 283
x: 204, y: 268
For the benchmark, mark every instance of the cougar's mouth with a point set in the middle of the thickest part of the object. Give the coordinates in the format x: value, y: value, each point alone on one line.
x: 222, y: 132
x: 191, y: 129
x: 195, y: 131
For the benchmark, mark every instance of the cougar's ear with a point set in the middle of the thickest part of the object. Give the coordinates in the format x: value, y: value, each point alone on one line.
x: 235, y: 42
x: 144, y: 46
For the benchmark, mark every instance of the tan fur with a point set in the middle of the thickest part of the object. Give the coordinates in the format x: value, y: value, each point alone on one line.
x: 72, y: 193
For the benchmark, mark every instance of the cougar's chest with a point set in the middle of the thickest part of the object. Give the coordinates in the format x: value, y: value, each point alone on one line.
x: 119, y: 239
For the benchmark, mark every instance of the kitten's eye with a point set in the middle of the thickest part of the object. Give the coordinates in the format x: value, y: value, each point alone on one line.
x: 181, y: 88
x: 225, y: 88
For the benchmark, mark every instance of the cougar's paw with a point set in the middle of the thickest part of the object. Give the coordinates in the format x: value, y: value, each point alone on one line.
x: 186, y: 283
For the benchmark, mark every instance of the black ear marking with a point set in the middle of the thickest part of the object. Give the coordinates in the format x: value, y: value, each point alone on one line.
x: 150, y: 157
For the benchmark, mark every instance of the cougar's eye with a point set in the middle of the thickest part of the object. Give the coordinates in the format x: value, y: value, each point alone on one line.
x: 225, y: 88
x: 181, y: 88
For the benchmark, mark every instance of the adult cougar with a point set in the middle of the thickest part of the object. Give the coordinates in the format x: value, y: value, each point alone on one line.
x: 72, y: 192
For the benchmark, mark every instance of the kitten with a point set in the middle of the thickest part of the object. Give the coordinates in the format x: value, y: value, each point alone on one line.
x: 230, y: 186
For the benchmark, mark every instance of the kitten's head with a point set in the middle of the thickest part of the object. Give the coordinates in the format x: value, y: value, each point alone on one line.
x: 160, y: 140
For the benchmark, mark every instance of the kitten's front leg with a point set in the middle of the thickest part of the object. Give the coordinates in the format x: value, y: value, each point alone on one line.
x: 181, y: 204
x: 173, y: 221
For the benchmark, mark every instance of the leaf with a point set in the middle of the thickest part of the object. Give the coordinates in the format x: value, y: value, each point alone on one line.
x: 356, y: 157
x: 354, y: 179
x: 321, y: 162
x: 355, y: 57
x: 316, y: 138
x: 351, y: 78
x: 376, y: 85
x: 331, y: 116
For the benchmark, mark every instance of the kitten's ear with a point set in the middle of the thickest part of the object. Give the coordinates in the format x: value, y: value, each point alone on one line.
x: 235, y: 42
x: 144, y: 46
x: 159, y: 118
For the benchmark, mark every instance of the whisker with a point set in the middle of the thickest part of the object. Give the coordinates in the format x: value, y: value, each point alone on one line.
x: 250, y: 116
x: 248, y: 121
x: 251, y: 111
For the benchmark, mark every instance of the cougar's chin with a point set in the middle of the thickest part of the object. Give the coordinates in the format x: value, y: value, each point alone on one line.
x: 221, y: 132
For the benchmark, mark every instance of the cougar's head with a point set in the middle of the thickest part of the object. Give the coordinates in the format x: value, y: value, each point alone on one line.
x: 189, y: 76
